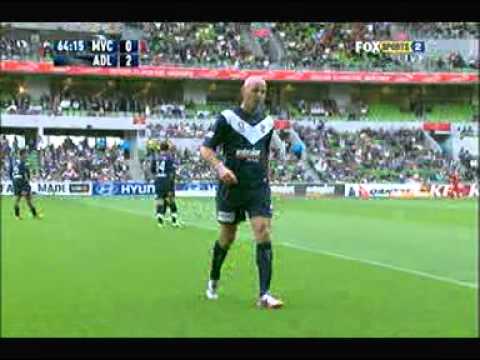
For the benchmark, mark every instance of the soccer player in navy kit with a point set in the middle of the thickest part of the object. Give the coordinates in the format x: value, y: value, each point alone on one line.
x: 244, y: 134
x: 20, y: 175
x: 162, y: 167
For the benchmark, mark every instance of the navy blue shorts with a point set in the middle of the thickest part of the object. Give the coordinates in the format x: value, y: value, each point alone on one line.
x: 21, y: 187
x: 164, y: 188
x: 234, y: 203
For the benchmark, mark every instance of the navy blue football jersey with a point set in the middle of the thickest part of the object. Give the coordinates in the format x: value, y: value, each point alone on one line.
x: 163, y: 166
x: 19, y: 170
x: 245, y: 143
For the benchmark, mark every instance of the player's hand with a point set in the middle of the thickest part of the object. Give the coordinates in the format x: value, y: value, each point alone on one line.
x: 226, y: 175
x: 229, y: 177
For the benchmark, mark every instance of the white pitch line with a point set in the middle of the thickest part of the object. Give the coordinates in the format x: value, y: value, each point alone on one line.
x: 328, y: 253
x: 380, y: 264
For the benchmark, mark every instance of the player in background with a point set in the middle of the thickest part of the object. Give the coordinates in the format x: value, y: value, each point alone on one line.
x: 244, y: 134
x: 455, y: 186
x: 20, y: 176
x: 171, y: 202
x: 163, y: 169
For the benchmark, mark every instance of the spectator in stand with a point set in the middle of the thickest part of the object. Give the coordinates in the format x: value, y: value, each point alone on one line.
x: 78, y: 162
x: 372, y: 155
x: 305, y: 45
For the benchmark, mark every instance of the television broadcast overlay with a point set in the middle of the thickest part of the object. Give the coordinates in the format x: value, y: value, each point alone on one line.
x: 254, y: 179
x: 96, y: 53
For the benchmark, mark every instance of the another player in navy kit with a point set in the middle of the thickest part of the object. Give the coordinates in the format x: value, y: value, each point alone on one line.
x: 162, y: 167
x: 20, y: 175
x: 244, y: 134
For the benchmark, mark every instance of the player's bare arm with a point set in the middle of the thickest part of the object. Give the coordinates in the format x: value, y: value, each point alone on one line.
x: 225, y: 174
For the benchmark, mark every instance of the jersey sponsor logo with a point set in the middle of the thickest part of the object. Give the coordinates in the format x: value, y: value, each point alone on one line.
x: 247, y: 154
x: 16, y: 173
x: 252, y: 133
x: 226, y: 217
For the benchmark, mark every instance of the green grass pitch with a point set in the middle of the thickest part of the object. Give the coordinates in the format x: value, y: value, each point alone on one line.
x: 99, y: 267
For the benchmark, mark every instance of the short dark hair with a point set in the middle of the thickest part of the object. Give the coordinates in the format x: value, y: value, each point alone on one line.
x: 164, y: 146
x: 23, y: 152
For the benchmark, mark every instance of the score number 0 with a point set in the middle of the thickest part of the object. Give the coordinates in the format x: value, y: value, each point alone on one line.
x: 126, y: 48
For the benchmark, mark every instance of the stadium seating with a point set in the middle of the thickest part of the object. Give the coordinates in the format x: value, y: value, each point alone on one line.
x: 193, y: 168
x: 388, y: 112
x: 376, y: 156
x: 69, y: 161
x: 452, y: 113
x: 317, y: 45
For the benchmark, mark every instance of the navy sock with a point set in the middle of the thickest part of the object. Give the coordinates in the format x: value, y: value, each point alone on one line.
x: 173, y: 211
x: 33, y: 210
x: 264, y: 263
x: 17, y: 210
x: 160, y: 213
x: 219, y: 255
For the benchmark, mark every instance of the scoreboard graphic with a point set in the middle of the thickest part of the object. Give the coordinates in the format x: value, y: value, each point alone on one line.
x: 97, y: 53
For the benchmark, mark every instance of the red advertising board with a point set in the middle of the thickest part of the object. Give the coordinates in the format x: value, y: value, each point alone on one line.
x: 281, y: 124
x: 173, y: 72
x: 436, y: 126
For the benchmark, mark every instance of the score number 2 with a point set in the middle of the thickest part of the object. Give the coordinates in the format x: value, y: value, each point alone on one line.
x: 129, y: 60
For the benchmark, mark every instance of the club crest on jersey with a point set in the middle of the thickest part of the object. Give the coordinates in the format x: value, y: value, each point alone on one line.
x: 252, y: 133
x: 241, y: 126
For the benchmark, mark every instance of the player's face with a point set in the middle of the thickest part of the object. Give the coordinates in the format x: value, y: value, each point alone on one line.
x: 254, y: 95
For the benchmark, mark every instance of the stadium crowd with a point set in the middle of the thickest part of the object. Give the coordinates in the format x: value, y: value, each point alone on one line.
x: 467, y: 131
x: 364, y: 156
x: 72, y: 105
x: 469, y: 164
x: 377, y: 156
x: 81, y: 101
x: 98, y: 106
x: 304, y: 45
x: 14, y: 49
x: 332, y: 45
x: 190, y: 43
x: 178, y: 130
x: 69, y: 161
x: 319, y: 45
x: 81, y: 162
x: 443, y: 30
x: 316, y: 45
x: 192, y: 167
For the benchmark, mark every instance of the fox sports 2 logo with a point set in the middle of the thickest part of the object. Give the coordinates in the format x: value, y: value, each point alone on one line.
x: 390, y: 47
